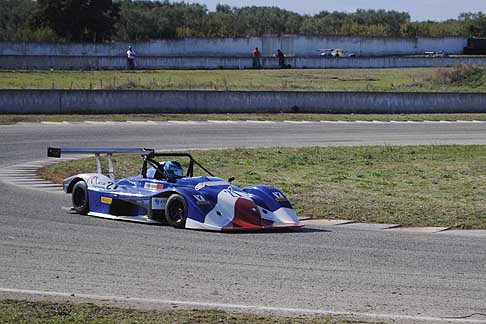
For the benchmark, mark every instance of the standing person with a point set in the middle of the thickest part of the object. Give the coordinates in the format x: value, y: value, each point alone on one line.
x: 131, y: 58
x: 256, y: 58
x: 281, y: 59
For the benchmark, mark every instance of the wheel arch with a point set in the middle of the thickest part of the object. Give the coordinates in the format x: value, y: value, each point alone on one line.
x: 195, y: 212
x: 170, y: 192
x: 71, y: 182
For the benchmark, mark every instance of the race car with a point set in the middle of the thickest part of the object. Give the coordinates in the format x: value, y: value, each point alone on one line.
x: 163, y: 194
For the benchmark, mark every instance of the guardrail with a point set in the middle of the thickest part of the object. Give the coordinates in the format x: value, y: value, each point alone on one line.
x: 181, y: 101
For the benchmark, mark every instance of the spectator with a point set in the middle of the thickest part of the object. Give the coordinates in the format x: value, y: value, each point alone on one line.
x: 281, y: 59
x: 131, y: 58
x: 256, y: 58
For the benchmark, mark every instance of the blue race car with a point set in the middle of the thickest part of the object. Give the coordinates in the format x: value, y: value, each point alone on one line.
x: 163, y: 194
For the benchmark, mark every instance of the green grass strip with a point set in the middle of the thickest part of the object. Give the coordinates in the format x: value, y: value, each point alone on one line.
x: 460, y: 79
x: 27, y: 312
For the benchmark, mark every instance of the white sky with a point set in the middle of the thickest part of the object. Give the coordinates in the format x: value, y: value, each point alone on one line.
x: 418, y: 9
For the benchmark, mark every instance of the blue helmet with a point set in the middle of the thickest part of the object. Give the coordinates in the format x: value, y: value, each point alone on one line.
x: 173, y: 170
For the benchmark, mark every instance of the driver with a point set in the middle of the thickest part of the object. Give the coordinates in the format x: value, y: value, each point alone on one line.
x: 172, y: 170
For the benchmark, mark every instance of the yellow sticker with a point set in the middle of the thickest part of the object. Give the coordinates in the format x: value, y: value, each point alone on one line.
x: 279, y: 196
x: 106, y: 200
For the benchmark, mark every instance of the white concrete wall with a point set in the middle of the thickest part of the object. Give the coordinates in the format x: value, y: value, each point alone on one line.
x: 242, y: 47
x: 162, y: 47
x: 376, y: 46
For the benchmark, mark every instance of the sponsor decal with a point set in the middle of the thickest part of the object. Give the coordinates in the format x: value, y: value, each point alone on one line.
x: 153, y: 186
x: 201, y: 185
x: 106, y: 200
x: 142, y: 202
x: 93, y: 180
x: 158, y: 203
x: 96, y: 182
x: 232, y: 193
x: 280, y: 197
x: 200, y: 200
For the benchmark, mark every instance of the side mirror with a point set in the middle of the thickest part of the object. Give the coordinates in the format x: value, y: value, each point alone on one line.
x: 230, y: 180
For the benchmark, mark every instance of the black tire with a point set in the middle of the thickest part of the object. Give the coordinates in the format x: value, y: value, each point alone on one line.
x: 176, y: 211
x: 79, y: 198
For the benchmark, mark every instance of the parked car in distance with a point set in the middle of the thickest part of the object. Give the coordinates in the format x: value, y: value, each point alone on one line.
x: 335, y: 52
x: 435, y: 54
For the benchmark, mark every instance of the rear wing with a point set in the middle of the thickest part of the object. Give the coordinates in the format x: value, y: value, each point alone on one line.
x: 58, y: 152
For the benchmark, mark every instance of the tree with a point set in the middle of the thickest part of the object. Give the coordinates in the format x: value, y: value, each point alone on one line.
x: 102, y: 20
x: 390, y: 20
x: 14, y: 16
x: 411, y: 30
x: 78, y: 20
x: 475, y: 22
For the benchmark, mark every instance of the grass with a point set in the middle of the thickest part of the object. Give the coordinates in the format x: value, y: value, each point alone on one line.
x: 470, y: 76
x: 409, y: 185
x: 410, y: 79
x: 26, y: 312
x: 12, y: 119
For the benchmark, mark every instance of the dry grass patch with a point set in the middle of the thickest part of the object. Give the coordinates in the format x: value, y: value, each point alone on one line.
x: 466, y: 75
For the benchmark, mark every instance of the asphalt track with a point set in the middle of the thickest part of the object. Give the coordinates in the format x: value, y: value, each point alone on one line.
x: 344, y: 270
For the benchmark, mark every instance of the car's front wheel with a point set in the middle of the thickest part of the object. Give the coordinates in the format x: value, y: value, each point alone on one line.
x: 176, y: 211
x: 80, y: 198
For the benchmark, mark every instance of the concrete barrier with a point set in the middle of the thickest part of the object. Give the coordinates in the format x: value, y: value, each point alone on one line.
x: 135, y: 101
x: 208, y: 63
x: 293, y: 45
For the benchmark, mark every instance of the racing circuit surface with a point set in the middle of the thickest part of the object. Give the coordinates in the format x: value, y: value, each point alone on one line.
x: 388, y: 276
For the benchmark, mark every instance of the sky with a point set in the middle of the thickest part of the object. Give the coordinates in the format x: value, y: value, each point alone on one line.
x: 418, y: 9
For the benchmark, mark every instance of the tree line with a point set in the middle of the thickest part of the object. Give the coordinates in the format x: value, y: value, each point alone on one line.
x: 106, y: 20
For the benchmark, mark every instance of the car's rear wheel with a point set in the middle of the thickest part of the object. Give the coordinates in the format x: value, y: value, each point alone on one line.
x: 176, y: 211
x: 80, y: 198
